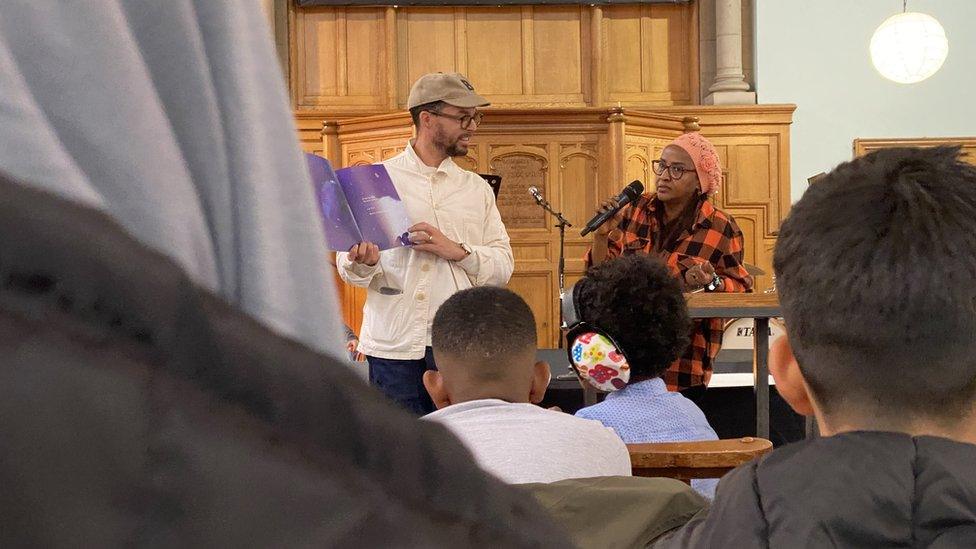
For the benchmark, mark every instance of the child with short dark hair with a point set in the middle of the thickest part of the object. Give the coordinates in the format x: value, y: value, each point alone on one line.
x: 486, y: 388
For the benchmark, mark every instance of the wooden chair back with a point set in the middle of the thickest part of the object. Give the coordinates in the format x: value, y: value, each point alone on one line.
x: 698, y: 459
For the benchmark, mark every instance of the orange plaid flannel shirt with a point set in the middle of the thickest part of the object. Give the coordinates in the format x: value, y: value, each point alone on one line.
x: 714, y: 238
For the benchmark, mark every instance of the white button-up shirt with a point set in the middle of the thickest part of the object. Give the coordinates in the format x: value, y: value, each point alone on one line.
x: 406, y: 286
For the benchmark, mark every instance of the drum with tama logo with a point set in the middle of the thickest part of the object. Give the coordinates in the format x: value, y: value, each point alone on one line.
x: 738, y: 333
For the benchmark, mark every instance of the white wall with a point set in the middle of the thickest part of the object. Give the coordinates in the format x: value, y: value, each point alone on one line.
x: 814, y: 53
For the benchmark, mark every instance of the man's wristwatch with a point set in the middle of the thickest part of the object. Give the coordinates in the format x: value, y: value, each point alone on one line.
x: 467, y: 250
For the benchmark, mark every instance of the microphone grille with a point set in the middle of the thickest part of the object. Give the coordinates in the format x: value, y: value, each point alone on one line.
x: 635, y: 189
x: 533, y: 190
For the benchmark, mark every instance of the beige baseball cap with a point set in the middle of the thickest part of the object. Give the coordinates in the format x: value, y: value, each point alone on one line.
x: 451, y: 88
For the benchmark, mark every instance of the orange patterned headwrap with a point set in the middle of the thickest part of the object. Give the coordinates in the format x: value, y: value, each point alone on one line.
x: 706, y: 160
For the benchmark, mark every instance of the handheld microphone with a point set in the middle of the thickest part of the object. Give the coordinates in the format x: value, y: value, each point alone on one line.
x: 626, y: 196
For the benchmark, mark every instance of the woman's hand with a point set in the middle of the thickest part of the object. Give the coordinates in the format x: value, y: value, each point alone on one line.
x: 699, y: 275
x: 613, y: 222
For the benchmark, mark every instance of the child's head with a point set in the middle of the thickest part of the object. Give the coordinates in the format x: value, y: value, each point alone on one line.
x: 876, y: 267
x: 484, y: 342
x: 638, y: 302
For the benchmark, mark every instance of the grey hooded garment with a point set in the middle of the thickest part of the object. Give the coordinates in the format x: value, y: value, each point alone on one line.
x: 172, y: 118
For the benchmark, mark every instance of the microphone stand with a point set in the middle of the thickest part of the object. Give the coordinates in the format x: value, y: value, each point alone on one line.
x: 562, y: 224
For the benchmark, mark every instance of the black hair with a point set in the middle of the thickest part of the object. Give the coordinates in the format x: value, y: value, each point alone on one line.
x: 875, y: 267
x: 486, y: 327
x: 638, y: 302
x: 434, y: 106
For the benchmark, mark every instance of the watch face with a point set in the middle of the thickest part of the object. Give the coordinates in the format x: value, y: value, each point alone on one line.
x: 713, y: 284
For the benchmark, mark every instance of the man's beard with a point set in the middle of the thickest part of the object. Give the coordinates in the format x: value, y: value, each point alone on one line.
x: 450, y: 149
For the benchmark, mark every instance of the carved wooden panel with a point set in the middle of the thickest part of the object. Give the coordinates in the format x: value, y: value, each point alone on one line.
x: 520, y: 168
x: 360, y: 158
x: 469, y: 162
x: 638, y: 166
x: 389, y: 152
x: 578, y: 185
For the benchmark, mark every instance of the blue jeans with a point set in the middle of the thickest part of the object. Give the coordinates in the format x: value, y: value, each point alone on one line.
x: 403, y: 380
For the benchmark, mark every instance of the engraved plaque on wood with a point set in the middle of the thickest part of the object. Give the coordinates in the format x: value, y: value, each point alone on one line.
x: 515, y: 204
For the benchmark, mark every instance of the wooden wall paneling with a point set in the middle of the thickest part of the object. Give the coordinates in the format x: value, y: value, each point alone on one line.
x: 863, y: 146
x: 460, y: 40
x: 341, y: 58
x: 536, y: 286
x: 428, y: 40
x: 648, y: 54
x: 390, y: 56
x: 352, y: 61
x: 560, y: 56
x: 694, y: 55
x: 615, y: 151
x: 309, y: 133
x: 495, y: 54
x: 330, y: 143
x: 622, y: 56
x: 598, y: 69
x: 528, y: 51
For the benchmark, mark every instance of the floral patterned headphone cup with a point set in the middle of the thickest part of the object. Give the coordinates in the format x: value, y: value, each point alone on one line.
x: 593, y: 354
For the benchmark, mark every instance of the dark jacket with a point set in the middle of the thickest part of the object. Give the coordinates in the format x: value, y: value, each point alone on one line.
x: 859, y: 489
x: 138, y: 410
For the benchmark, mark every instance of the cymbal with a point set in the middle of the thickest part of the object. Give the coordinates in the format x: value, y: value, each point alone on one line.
x: 753, y: 270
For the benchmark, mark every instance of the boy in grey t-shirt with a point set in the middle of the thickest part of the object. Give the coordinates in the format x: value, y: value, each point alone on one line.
x: 488, y: 384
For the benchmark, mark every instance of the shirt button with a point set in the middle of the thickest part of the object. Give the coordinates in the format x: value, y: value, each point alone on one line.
x: 425, y: 267
x: 421, y: 296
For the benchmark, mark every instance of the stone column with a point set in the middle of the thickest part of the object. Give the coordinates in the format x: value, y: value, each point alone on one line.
x: 730, y: 86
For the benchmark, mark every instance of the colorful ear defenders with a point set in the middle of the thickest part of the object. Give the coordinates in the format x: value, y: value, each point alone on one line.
x: 593, y: 354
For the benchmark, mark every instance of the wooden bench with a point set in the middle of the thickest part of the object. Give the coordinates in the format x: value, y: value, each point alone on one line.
x: 698, y: 459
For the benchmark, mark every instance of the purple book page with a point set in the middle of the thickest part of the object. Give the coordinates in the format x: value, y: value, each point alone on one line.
x: 380, y: 215
x: 341, y: 231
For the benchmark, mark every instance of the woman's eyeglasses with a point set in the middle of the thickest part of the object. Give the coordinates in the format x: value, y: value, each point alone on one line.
x: 464, y: 119
x: 676, y: 171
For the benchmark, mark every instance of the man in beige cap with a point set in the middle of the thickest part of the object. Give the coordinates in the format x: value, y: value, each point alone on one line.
x: 458, y: 238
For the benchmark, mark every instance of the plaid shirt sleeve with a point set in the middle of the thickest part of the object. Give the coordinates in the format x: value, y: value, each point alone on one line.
x: 717, y: 240
x: 633, y: 233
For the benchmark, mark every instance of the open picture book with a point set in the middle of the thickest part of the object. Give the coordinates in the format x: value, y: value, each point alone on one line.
x: 358, y: 204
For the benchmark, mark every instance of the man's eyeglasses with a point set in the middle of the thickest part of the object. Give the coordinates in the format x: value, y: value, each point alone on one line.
x: 676, y: 171
x: 464, y: 119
